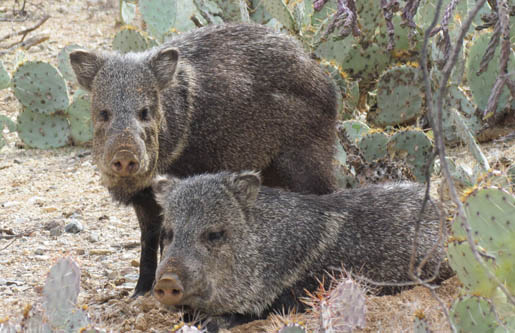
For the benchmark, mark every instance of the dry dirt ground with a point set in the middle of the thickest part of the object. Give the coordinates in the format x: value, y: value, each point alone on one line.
x: 42, y: 191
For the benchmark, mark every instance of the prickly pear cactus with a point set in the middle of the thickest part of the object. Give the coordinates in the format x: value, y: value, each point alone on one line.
x: 456, y: 99
x: 481, y: 85
x: 130, y: 40
x: 79, y: 116
x: 63, y: 62
x: 344, y: 308
x: 279, y: 10
x: 399, y: 97
x: 415, y: 147
x: 354, y: 129
x: 159, y: 15
x: 60, y: 297
x: 43, y: 131
x: 365, y: 63
x: 491, y: 214
x: 292, y: 328
x: 373, y: 145
x: 5, y: 78
x: 473, y: 314
x: 40, y: 87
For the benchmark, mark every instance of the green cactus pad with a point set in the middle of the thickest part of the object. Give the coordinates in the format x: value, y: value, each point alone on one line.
x: 481, y: 86
x: 63, y: 62
x: 491, y: 215
x: 457, y: 99
x: 258, y: 13
x: 79, y: 116
x: 335, y: 50
x: 40, y: 87
x: 159, y: 15
x: 43, y: 131
x: 401, y: 36
x: 279, y: 10
x: 399, y: 96
x: 292, y: 328
x: 354, y: 129
x: 420, y: 325
x: 366, y: 64
x: 5, y: 78
x: 473, y: 314
x: 230, y: 10
x: 469, y: 270
x: 415, y: 147
x: 370, y: 17
x: 373, y: 145
x: 129, y: 40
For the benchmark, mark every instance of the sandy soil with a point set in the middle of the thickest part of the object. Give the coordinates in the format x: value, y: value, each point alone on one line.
x: 42, y: 191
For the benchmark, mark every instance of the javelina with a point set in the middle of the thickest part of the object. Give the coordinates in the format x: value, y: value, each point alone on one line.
x: 235, y: 250
x: 228, y: 97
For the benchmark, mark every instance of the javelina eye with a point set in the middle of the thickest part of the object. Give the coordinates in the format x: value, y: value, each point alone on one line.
x: 144, y: 115
x: 103, y: 115
x: 214, y: 236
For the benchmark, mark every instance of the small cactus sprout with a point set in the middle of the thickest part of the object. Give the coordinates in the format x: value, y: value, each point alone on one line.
x: 5, y: 78
x: 40, y: 87
x: 344, y: 308
x: 292, y: 328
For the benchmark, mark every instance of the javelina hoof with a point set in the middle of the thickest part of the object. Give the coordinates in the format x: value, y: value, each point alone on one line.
x: 168, y: 290
x: 125, y: 163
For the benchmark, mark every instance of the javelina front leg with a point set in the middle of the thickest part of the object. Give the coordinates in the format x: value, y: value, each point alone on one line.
x: 150, y: 219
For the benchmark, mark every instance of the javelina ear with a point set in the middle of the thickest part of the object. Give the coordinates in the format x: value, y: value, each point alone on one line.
x: 163, y: 64
x: 161, y: 185
x: 246, y: 186
x: 85, y: 65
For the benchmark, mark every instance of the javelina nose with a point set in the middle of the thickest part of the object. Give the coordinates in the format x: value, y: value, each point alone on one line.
x: 168, y: 290
x: 124, y: 163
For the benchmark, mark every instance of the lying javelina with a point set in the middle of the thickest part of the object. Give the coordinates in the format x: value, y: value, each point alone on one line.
x: 235, y: 251
x: 229, y: 97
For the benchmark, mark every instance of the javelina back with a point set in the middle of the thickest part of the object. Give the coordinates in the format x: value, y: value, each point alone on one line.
x: 228, y: 97
x: 235, y: 250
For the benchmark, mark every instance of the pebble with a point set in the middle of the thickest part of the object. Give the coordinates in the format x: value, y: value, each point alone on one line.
x: 93, y: 237
x: 39, y: 252
x: 74, y: 226
x: 36, y: 200
x: 10, y: 204
x: 99, y: 252
x: 134, y: 263
x: 141, y: 322
x: 57, y: 231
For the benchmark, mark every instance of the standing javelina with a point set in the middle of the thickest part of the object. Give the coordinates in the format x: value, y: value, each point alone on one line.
x: 235, y: 251
x: 230, y: 97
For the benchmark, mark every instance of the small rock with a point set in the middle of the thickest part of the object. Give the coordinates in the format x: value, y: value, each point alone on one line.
x: 113, y: 275
x: 141, y: 322
x: 50, y: 225
x: 50, y: 209
x: 57, y: 231
x: 36, y: 201
x: 80, y: 251
x: 119, y: 282
x: 93, y: 237
x: 74, y: 226
x: 39, y: 252
x: 134, y: 263
x: 99, y: 252
x: 21, y: 220
x: 103, y: 218
x: 10, y: 204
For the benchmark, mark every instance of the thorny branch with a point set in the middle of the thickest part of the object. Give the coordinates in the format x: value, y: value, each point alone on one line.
x: 345, y: 17
x: 25, y: 32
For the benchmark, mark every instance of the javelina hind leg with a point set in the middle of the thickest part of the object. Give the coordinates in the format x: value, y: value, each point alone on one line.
x: 150, y: 219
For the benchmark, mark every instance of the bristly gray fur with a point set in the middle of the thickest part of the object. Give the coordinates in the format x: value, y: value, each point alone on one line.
x: 229, y: 97
x: 276, y: 244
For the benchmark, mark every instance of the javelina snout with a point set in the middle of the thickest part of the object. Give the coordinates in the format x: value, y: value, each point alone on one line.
x: 125, y: 163
x: 168, y: 289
